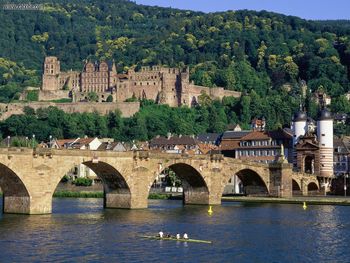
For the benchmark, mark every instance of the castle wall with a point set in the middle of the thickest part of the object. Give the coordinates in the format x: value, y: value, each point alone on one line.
x: 127, y: 109
x: 214, y: 93
x: 122, y: 91
x: 169, y: 86
x: 149, y: 91
x: 46, y: 95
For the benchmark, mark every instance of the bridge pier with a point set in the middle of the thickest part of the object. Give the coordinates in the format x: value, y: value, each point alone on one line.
x: 195, y: 197
x: 119, y: 200
x: 280, y: 184
x: 16, y: 204
x: 27, y: 205
x: 304, y: 190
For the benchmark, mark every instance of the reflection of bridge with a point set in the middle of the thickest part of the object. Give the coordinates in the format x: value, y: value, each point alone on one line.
x: 29, y: 177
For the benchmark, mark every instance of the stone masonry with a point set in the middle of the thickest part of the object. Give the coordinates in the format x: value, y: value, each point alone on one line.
x: 163, y: 85
x: 29, y: 177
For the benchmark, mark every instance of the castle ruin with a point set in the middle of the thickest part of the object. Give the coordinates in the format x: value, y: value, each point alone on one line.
x: 169, y: 86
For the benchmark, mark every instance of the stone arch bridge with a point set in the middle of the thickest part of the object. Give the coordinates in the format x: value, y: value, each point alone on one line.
x: 29, y: 177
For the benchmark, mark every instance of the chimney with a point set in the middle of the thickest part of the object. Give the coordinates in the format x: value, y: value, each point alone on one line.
x: 169, y: 135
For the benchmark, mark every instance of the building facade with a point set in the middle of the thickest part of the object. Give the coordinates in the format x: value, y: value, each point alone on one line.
x: 163, y: 85
x: 313, y: 146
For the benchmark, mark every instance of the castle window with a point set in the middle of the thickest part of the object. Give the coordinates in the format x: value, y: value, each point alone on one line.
x: 323, y: 144
x: 323, y: 134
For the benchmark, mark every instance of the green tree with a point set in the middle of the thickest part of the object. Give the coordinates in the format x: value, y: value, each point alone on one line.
x: 92, y: 97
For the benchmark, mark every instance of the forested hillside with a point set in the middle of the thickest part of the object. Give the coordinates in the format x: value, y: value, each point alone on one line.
x: 254, y: 52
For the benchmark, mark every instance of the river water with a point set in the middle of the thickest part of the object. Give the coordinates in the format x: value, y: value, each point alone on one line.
x: 80, y: 230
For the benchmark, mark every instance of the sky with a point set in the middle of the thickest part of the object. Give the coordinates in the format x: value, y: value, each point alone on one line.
x: 308, y: 9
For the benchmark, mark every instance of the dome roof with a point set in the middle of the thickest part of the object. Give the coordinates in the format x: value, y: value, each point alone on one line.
x: 325, y: 115
x: 300, y: 116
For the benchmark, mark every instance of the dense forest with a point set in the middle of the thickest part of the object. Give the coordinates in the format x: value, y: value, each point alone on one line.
x: 265, y: 55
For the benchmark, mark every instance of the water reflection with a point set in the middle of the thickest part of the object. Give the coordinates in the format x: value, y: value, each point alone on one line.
x: 81, y: 230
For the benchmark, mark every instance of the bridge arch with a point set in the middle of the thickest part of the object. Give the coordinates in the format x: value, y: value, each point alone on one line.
x: 117, y: 192
x: 195, y: 188
x: 312, y: 187
x: 253, y: 183
x: 296, y: 188
x: 16, y: 196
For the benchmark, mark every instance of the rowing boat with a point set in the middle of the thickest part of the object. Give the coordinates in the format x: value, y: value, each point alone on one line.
x: 180, y: 240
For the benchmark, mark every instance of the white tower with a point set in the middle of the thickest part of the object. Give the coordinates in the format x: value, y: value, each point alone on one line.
x: 325, y: 138
x: 299, y: 129
x: 299, y: 126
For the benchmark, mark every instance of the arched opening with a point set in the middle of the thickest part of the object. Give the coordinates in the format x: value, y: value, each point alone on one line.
x: 15, y: 197
x: 194, y: 102
x: 97, y: 177
x: 312, y: 188
x: 234, y: 186
x: 296, y: 188
x: 184, y: 181
x: 251, y: 183
x: 309, y: 163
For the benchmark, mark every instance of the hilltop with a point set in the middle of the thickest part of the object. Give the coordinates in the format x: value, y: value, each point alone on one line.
x: 263, y: 54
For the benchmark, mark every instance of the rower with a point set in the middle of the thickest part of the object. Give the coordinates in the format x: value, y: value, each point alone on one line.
x: 160, y: 234
x: 178, y: 236
x: 185, y: 236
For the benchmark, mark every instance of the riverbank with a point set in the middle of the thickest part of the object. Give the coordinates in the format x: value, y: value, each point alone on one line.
x: 310, y: 200
x: 82, y: 194
x: 98, y: 194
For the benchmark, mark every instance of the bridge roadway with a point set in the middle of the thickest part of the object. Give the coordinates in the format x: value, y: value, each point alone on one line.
x: 29, y: 177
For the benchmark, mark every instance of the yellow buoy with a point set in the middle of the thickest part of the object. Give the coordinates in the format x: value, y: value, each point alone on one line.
x: 304, y: 205
x: 210, y: 210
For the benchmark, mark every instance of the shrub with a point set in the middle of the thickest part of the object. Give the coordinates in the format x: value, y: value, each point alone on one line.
x: 33, y: 95
x: 65, y: 179
x: 109, y: 98
x: 83, y: 182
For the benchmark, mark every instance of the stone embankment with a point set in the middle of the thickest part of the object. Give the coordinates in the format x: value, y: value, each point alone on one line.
x: 309, y: 200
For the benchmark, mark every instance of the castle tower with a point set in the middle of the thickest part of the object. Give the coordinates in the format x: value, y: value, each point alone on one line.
x: 325, y: 138
x: 185, y: 98
x: 299, y: 129
x: 51, y: 72
x: 171, y: 86
x: 113, y: 77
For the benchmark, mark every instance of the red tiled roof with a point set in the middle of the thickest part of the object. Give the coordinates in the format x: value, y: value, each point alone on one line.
x: 256, y: 135
x: 85, y: 141
x: 205, y: 148
x: 229, y: 145
x: 61, y: 143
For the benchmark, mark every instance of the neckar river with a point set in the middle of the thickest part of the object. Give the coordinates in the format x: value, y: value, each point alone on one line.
x: 80, y: 230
